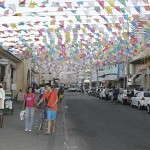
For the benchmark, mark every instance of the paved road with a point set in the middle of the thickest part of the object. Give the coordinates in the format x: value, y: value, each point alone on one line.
x: 94, y: 124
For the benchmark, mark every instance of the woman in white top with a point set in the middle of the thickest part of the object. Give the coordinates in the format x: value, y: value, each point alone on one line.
x: 2, y: 98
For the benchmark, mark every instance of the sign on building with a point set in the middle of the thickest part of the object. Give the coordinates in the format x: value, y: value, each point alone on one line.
x: 4, y: 61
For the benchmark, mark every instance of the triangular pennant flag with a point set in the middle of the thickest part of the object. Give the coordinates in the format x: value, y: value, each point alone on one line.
x: 45, y: 2
x: 121, y: 20
x: 2, y: 2
x: 22, y: 3
x: 97, y: 20
x: 69, y: 4
x: 101, y: 3
x: 6, y: 12
x: 80, y: 3
x: 60, y: 9
x: 126, y: 17
x: 5, y: 25
x: 109, y: 10
x: 123, y: 10
x: 118, y: 8
x: 78, y: 18
x: 111, y: 3
x: 138, y: 8
x: 73, y: 11
x: 13, y: 25
x: 147, y: 8
x: 145, y: 1
x: 52, y: 23
x: 32, y: 4
x: 123, y: 2
x: 97, y: 8
x: 135, y: 17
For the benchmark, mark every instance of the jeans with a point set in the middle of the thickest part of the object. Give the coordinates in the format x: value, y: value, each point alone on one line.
x: 29, y: 114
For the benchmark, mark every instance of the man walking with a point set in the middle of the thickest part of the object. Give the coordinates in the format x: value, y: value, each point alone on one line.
x: 2, y: 98
x: 52, y: 98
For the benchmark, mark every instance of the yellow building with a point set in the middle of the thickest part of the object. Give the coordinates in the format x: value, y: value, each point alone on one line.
x: 15, y: 74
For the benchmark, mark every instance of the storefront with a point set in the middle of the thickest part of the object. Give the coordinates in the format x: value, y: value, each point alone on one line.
x: 141, y: 69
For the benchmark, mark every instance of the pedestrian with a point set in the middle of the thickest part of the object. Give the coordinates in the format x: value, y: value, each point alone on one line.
x: 52, y: 107
x: 20, y: 96
x: 115, y: 95
x: 29, y: 106
x: 61, y: 93
x: 107, y: 93
x: 2, y: 99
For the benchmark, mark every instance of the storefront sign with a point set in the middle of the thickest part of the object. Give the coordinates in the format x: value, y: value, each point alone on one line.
x: 120, y: 71
x: 4, y: 61
x: 111, y: 69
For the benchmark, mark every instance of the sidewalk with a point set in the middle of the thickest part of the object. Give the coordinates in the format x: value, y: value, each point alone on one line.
x: 13, y: 136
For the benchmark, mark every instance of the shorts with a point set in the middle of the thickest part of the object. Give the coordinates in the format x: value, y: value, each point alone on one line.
x: 1, y: 111
x: 51, y: 115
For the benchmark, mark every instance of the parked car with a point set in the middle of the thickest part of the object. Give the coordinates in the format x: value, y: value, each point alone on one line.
x: 141, y: 99
x: 72, y: 89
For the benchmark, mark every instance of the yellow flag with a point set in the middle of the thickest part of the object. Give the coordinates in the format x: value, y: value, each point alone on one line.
x: 109, y: 10
x: 111, y: 3
x: 125, y: 36
x: 70, y: 21
x: 52, y: 23
x: 67, y: 36
x: 51, y: 29
x: 44, y: 40
x: 32, y: 4
x: 80, y: 46
x: 13, y: 25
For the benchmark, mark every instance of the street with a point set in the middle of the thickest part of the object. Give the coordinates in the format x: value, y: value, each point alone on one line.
x: 94, y: 124
x: 83, y: 123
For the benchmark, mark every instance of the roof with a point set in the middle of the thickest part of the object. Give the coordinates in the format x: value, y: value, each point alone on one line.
x: 9, y: 55
x: 140, y: 60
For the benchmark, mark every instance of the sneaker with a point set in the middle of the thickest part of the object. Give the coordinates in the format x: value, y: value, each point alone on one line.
x: 30, y: 130
x: 26, y: 130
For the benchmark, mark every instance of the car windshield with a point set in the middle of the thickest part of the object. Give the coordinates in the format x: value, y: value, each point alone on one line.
x: 147, y: 94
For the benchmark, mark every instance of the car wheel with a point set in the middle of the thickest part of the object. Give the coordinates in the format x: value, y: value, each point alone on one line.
x: 148, y: 109
x: 139, y: 106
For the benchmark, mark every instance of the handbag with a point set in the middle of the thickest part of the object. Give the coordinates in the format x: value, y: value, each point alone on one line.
x: 22, y: 115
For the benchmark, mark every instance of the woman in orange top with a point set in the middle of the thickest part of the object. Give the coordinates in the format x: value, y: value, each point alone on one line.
x: 52, y: 97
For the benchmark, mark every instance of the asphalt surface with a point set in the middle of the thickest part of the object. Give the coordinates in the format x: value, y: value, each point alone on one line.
x: 83, y: 123
x: 94, y: 124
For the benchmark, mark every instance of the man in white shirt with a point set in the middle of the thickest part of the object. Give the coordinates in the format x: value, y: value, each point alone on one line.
x: 2, y: 98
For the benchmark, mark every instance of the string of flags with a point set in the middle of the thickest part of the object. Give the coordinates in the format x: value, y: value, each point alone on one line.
x: 74, y: 35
